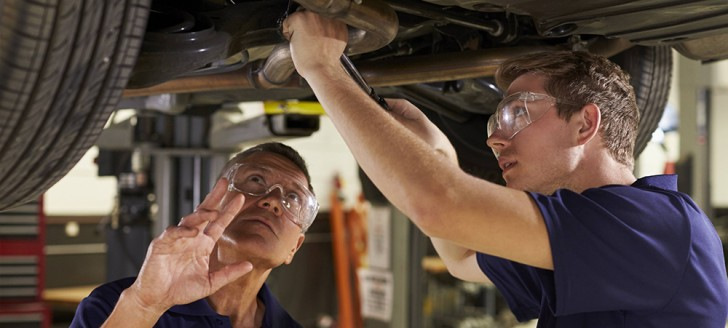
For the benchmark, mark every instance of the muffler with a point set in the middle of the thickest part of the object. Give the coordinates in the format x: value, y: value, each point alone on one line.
x: 373, y: 25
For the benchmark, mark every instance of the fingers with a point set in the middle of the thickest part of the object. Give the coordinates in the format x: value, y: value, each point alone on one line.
x: 216, y: 227
x: 288, y: 25
x: 208, y: 209
x: 180, y: 232
x: 212, y: 200
x: 316, y: 42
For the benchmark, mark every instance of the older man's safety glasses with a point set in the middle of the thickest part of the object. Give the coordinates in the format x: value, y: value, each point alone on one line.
x: 516, y: 112
x: 296, y: 200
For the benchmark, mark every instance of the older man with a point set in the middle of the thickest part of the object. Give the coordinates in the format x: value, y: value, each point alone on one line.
x: 210, y: 270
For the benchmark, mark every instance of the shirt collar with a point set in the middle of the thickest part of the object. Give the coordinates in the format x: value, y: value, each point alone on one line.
x: 196, y: 308
x: 201, y: 308
x: 664, y: 181
x: 273, y: 310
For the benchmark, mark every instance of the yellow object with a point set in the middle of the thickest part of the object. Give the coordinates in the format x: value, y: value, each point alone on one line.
x: 293, y: 107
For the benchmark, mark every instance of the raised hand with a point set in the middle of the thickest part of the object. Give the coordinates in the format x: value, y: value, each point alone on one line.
x: 317, y: 42
x: 176, y: 269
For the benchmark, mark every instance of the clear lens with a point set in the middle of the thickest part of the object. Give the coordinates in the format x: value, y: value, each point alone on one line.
x: 513, y: 114
x: 257, y: 181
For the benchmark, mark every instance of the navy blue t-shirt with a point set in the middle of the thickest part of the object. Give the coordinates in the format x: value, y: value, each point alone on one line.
x: 624, y: 256
x: 95, y: 309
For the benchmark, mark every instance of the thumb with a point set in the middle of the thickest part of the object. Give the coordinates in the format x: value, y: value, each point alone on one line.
x: 228, y: 274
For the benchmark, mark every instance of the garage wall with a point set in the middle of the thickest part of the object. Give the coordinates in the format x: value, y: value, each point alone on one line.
x: 82, y: 192
x: 719, y: 135
x: 695, y: 77
x: 719, y: 142
x: 327, y: 155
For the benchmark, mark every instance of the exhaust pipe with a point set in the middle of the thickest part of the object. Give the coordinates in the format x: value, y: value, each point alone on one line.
x: 373, y: 23
x: 388, y: 72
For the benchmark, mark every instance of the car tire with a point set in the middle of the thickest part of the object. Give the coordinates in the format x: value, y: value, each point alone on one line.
x: 650, y: 70
x: 63, y: 68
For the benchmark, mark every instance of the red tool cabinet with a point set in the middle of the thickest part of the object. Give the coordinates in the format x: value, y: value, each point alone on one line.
x: 22, y: 267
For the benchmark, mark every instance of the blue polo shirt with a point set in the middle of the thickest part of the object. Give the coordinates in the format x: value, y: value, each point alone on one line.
x: 94, y: 309
x: 631, y: 256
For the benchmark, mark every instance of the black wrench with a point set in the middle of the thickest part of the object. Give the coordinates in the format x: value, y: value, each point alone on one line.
x: 354, y: 73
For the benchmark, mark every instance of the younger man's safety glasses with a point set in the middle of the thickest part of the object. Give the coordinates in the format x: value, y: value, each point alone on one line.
x: 517, y: 111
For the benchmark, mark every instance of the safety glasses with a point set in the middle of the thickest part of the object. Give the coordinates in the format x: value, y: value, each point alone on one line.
x: 517, y: 111
x: 254, y: 180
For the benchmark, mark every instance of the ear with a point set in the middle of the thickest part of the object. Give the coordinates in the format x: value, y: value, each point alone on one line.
x: 590, y: 119
x: 301, y: 238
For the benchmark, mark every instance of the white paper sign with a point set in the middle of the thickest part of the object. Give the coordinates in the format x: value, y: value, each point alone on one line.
x: 376, y: 293
x: 379, y: 236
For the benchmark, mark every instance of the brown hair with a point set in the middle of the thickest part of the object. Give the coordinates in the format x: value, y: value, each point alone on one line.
x: 579, y: 78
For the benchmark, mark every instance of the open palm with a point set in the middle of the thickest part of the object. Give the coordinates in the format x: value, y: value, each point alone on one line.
x: 176, y: 269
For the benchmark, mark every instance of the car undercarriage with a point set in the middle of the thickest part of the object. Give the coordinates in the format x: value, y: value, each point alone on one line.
x: 66, y: 66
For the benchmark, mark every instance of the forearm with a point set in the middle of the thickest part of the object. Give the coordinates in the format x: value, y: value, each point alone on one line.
x: 450, y: 252
x: 410, y: 160
x: 129, y: 312
x: 460, y: 261
x: 394, y: 157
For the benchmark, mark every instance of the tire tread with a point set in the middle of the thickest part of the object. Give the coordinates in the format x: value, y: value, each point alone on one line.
x: 55, y: 103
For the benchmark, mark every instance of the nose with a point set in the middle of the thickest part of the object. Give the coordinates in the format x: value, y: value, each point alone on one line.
x: 272, y: 201
x: 496, y: 143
